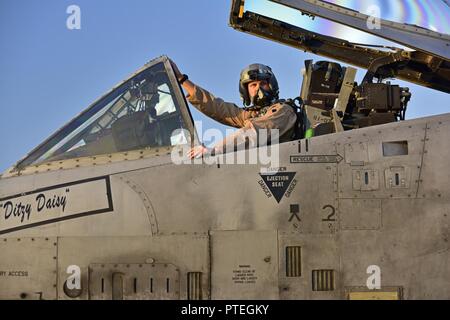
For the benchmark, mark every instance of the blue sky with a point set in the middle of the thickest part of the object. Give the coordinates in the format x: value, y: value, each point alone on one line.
x: 48, y: 74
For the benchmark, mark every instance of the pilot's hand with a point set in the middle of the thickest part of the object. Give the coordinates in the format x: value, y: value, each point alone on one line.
x: 177, y: 71
x: 188, y: 85
x: 198, y: 152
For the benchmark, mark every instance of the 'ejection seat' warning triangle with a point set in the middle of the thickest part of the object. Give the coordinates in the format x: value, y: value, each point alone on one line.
x: 278, y: 183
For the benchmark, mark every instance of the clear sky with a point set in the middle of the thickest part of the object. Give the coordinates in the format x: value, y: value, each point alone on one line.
x: 48, y: 73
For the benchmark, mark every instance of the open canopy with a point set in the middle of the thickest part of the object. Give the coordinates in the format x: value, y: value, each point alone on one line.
x: 428, y: 65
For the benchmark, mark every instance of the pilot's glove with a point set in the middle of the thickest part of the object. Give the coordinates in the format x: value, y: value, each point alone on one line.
x: 199, y: 152
x: 176, y: 70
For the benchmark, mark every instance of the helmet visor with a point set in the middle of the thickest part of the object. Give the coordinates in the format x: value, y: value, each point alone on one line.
x: 255, y: 74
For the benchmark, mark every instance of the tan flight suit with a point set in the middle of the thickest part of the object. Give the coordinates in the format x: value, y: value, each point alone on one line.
x: 278, y: 116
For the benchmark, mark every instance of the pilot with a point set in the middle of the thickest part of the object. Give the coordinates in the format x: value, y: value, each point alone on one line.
x: 258, y: 88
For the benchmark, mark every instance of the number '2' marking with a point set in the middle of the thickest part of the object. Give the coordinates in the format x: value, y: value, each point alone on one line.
x: 330, y: 217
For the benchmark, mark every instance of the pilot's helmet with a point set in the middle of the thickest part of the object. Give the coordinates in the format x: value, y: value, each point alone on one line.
x: 258, y: 72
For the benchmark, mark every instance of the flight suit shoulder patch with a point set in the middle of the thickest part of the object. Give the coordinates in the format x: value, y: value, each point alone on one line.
x: 282, y: 107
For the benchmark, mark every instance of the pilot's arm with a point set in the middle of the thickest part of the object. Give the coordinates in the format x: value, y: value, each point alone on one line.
x: 254, y: 130
x: 257, y: 130
x: 224, y: 112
